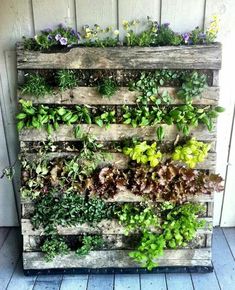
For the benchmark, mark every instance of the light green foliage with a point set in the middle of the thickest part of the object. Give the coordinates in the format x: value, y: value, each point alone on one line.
x: 107, y: 88
x: 144, y: 153
x: 89, y: 244
x: 35, y: 85
x: 191, y: 153
x: 105, y: 119
x: 54, y: 246
x: 178, y: 227
x: 66, y: 79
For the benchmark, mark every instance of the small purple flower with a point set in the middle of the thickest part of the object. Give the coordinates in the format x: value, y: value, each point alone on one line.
x: 186, y: 37
x: 166, y: 25
x: 63, y: 41
x: 72, y: 32
x: 47, y: 30
x: 202, y: 35
x: 57, y: 37
x: 78, y: 36
x: 49, y: 37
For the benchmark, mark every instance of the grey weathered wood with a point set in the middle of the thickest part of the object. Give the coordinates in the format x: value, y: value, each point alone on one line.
x: 125, y: 281
x: 230, y: 237
x: 180, y: 57
x: 90, y: 96
x: 114, y: 242
x: 115, y: 132
x: 179, y: 281
x: 74, y: 282
x: 223, y: 260
x: 208, y: 240
x: 121, y: 161
x: 117, y: 259
x: 105, y: 227
x: 206, y: 281
x: 98, y: 282
x: 153, y: 282
x: 51, y: 282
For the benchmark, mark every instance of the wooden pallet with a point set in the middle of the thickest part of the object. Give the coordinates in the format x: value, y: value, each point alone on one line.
x: 115, y: 256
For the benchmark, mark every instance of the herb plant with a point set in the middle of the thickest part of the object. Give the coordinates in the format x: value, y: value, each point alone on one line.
x: 66, y: 79
x: 105, y: 119
x: 54, y: 246
x: 35, y: 85
x: 107, y: 88
x: 191, y: 153
x: 144, y: 153
x: 89, y: 243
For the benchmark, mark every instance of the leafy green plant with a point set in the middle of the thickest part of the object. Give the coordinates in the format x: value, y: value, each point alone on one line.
x: 160, y: 133
x: 169, y: 226
x: 54, y: 246
x: 193, y: 85
x: 191, y: 153
x: 107, y: 88
x: 89, y: 243
x: 144, y: 153
x: 105, y: 119
x: 68, y: 209
x: 66, y: 79
x: 35, y: 85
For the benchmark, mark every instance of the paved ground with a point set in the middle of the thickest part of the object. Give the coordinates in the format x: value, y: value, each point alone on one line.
x: 11, y: 276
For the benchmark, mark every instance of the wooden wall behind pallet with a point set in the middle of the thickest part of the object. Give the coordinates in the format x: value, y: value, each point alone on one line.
x: 25, y: 17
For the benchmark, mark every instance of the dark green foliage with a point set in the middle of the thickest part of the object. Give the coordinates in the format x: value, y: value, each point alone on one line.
x: 68, y: 209
x: 89, y: 243
x: 66, y: 79
x: 54, y: 246
x: 105, y: 119
x: 35, y: 85
x: 107, y: 88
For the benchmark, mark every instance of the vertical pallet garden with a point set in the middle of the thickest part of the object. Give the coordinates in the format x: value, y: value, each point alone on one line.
x: 118, y: 62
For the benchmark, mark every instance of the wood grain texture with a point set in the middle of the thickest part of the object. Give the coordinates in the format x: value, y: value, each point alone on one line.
x: 117, y: 259
x: 115, y: 132
x: 105, y: 227
x: 180, y: 57
x: 101, y: 12
x: 90, y: 96
x: 177, y: 13
x: 48, y: 14
x: 121, y: 161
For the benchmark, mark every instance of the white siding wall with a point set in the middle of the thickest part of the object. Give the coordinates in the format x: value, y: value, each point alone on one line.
x: 25, y: 17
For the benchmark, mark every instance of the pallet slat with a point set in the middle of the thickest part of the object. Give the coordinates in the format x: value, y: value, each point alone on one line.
x: 117, y: 259
x: 174, y: 57
x: 90, y: 96
x: 115, y: 132
x: 105, y: 227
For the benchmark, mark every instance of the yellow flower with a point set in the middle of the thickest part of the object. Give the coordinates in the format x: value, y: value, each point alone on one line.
x: 125, y: 24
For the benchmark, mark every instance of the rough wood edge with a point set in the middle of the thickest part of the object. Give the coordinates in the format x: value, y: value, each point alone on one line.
x: 117, y: 259
x: 105, y: 227
x: 174, y: 57
x: 120, y: 160
x: 115, y: 132
x: 90, y: 96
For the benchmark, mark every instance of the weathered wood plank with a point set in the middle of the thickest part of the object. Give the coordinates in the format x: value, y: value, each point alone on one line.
x: 153, y: 282
x: 90, y: 96
x: 51, y: 282
x: 112, y: 242
x: 206, y: 281
x: 117, y: 259
x: 177, y: 281
x: 105, y: 227
x: 74, y: 282
x: 230, y: 237
x: 115, y: 132
x: 121, y: 161
x: 98, y: 282
x: 180, y: 57
x: 3, y: 235
x: 125, y: 281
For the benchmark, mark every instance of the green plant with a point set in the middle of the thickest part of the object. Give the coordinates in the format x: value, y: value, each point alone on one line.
x: 54, y: 246
x: 160, y: 133
x: 107, y: 87
x: 35, y: 85
x: 144, y: 153
x: 66, y: 79
x: 89, y: 243
x: 191, y: 153
x: 168, y: 226
x: 106, y: 119
x: 193, y: 85
x: 67, y: 209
